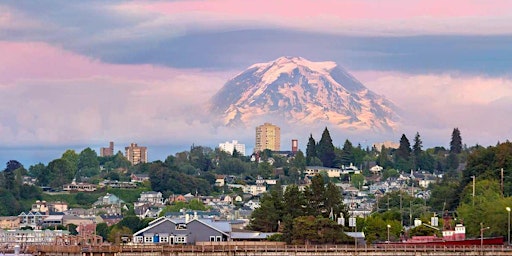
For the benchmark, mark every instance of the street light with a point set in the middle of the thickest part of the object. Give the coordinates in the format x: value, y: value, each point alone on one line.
x: 508, y: 210
x: 389, y: 226
x: 482, y: 233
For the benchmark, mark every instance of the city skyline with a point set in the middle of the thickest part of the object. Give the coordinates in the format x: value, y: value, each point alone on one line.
x: 76, y: 75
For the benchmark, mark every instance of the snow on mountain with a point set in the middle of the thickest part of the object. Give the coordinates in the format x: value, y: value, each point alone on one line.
x: 303, y: 92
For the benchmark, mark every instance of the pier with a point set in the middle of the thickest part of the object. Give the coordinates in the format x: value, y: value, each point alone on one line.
x: 248, y: 250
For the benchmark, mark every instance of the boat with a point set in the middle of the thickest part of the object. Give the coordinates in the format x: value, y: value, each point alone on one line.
x: 451, y: 236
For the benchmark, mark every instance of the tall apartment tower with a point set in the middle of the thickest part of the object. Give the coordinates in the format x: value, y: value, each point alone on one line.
x: 136, y: 154
x: 229, y: 147
x: 107, y: 151
x: 268, y: 136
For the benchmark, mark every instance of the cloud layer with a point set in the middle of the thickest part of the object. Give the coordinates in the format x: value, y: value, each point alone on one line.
x: 85, y: 73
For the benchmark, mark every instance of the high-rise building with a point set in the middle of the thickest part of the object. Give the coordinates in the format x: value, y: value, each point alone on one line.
x: 136, y: 154
x: 229, y: 147
x: 268, y: 136
x: 107, y: 151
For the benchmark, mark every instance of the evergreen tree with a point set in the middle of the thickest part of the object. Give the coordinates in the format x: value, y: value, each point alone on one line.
x: 294, y: 201
x: 416, y: 150
x: 347, y: 153
x: 383, y: 158
x: 315, y: 196
x: 325, y: 149
x: 456, y: 142
x: 310, y: 150
x: 334, y: 202
x: 403, y: 154
x: 267, y: 217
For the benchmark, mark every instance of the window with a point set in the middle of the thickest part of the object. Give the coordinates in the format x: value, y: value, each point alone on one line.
x: 180, y: 239
x: 148, y: 239
x: 139, y: 239
x: 212, y: 238
x: 181, y: 226
x: 219, y: 238
x: 164, y: 239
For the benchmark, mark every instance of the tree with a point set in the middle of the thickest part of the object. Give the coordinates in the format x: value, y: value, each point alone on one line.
x: 313, y: 230
x: 403, y: 154
x: 88, y: 164
x: 383, y: 158
x: 416, y: 150
x: 267, y: 217
x: 102, y: 230
x: 60, y: 173
x: 347, y: 153
x: 294, y: 201
x: 456, y: 142
x: 315, y: 196
x: 310, y: 150
x: 334, y: 202
x: 12, y: 165
x: 325, y: 149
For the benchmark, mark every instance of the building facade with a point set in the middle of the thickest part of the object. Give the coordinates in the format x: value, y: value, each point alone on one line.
x: 268, y: 136
x: 229, y: 147
x: 136, y: 154
x: 107, y: 151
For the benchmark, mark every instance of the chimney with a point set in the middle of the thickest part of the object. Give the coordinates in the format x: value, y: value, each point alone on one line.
x: 295, y: 145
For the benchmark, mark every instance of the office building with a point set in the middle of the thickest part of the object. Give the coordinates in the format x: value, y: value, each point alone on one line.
x: 229, y: 147
x: 136, y: 154
x: 268, y: 136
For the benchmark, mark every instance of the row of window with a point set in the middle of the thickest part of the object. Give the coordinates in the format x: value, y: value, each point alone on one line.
x: 161, y: 239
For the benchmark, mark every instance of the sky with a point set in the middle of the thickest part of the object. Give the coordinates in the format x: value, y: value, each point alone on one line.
x: 77, y: 74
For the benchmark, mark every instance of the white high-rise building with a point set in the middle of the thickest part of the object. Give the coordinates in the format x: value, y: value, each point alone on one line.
x: 231, y: 146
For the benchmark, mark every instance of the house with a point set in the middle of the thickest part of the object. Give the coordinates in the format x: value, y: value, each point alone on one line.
x: 254, y: 189
x: 52, y: 221
x: 139, y: 177
x: 177, y: 231
x: 351, y: 169
x: 311, y: 171
x: 27, y: 237
x: 177, y: 198
x: 79, y: 187
x: 220, y: 180
x: 151, y: 197
x: 9, y: 222
x: 31, y: 219
x: 111, y: 219
x: 108, y: 199
x: 376, y: 169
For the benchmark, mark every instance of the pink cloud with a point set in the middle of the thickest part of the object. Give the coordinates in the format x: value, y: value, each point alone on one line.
x: 348, y: 9
x: 35, y: 60
x: 401, y: 17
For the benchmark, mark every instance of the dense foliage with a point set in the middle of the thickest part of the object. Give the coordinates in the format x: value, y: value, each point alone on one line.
x: 461, y: 169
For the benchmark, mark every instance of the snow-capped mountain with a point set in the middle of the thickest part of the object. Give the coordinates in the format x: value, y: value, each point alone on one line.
x: 303, y: 92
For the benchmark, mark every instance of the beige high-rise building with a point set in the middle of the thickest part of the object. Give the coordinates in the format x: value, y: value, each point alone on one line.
x: 136, y: 154
x: 268, y: 136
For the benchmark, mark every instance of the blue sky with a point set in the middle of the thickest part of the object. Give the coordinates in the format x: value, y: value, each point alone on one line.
x: 77, y: 74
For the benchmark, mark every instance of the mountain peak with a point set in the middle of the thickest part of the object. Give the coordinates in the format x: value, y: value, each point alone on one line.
x: 303, y: 91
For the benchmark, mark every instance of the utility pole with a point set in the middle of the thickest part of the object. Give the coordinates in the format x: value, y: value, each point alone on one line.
x: 473, y: 189
x: 502, y: 186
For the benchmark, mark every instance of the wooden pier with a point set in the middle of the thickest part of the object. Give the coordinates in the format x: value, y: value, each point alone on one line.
x: 252, y: 250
